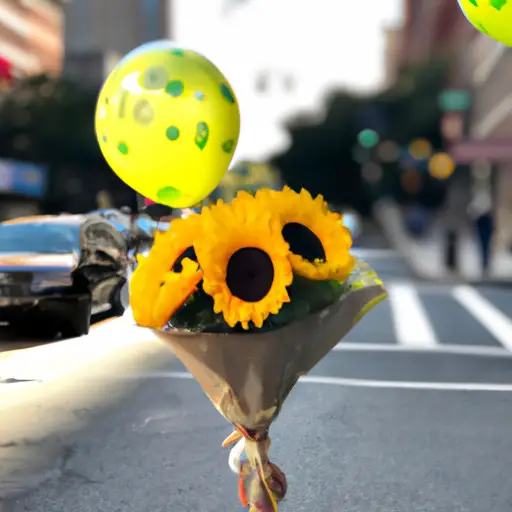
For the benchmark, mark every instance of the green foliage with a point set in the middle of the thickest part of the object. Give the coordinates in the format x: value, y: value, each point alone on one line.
x: 413, y: 104
x: 321, y: 156
x: 306, y: 297
x: 50, y: 121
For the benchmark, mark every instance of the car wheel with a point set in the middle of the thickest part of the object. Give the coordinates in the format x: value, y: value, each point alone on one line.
x: 78, y: 321
x: 119, y: 299
x: 37, y: 328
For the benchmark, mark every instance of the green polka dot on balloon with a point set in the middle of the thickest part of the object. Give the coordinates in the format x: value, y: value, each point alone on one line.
x: 228, y: 146
x: 202, y: 135
x: 226, y: 92
x: 482, y: 28
x: 498, y: 4
x: 178, y: 52
x: 199, y: 96
x: 154, y: 78
x: 143, y: 112
x: 474, y: 2
x: 173, y: 133
x: 122, y: 148
x: 104, y: 138
x: 175, y: 88
x: 168, y: 195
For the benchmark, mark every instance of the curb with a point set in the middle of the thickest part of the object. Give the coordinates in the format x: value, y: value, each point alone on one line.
x: 398, y: 242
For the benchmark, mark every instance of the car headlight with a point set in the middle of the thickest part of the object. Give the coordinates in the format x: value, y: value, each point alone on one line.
x: 44, y: 280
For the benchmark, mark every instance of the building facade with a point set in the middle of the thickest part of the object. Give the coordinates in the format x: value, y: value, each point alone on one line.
x: 99, y: 33
x: 483, y: 67
x: 393, y: 53
x: 488, y: 67
x: 433, y: 28
x: 30, y: 44
x: 31, y: 36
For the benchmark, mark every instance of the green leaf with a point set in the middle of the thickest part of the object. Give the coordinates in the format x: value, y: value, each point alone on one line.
x: 197, y: 315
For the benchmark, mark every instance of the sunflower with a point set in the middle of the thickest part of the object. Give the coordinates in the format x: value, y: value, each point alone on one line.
x: 165, y: 279
x: 319, y: 242
x: 175, y: 290
x: 245, y: 261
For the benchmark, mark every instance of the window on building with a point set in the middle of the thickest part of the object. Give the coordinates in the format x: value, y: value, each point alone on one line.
x: 262, y: 83
x: 289, y: 83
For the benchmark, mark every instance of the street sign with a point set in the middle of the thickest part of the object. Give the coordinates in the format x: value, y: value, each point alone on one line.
x: 454, y: 100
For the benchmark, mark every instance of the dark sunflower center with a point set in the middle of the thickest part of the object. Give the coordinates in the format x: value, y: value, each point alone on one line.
x: 250, y: 274
x: 189, y: 253
x: 303, y: 242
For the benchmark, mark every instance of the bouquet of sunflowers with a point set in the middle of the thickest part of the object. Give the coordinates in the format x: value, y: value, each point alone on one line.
x: 250, y: 296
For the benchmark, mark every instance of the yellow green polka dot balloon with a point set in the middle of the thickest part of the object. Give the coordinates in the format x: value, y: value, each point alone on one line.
x: 491, y: 17
x: 168, y: 123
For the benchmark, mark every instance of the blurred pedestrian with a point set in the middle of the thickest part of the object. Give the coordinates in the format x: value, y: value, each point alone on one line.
x: 485, y: 229
x: 417, y: 220
x: 483, y: 218
x: 104, y: 200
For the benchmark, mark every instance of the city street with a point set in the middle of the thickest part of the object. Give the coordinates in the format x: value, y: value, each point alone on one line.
x: 121, y: 119
x: 411, y: 413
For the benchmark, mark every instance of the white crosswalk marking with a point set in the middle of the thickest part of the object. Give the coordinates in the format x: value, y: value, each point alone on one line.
x: 498, y: 324
x: 373, y: 253
x: 411, y: 323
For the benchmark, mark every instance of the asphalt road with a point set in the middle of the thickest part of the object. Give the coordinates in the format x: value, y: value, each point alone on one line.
x: 411, y: 413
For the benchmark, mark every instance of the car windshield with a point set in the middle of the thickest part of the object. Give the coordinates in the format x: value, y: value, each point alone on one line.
x: 39, y: 238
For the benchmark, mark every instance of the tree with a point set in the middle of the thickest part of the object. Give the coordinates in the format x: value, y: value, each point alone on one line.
x: 50, y: 121
x: 320, y: 158
x: 321, y: 155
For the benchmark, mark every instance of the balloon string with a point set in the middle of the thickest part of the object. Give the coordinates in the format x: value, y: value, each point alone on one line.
x: 253, y: 476
x: 270, y: 494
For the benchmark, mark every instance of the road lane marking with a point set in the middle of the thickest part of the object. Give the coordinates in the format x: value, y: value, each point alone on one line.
x: 365, y: 383
x: 491, y: 318
x: 411, y: 323
x: 463, y: 350
x: 374, y: 253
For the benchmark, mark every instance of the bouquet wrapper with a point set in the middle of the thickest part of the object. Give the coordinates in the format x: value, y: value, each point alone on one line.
x: 248, y: 376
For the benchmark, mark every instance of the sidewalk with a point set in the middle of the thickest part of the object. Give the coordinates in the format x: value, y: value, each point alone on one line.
x: 425, y: 256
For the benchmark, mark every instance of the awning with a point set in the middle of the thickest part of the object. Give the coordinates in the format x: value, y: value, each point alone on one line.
x: 494, y: 151
x: 20, y: 59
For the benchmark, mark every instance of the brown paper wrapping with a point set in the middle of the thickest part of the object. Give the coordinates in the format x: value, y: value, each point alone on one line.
x: 248, y: 376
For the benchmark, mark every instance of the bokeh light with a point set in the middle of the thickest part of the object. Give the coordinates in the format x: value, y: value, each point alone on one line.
x: 481, y: 170
x: 441, y: 166
x: 411, y: 181
x: 388, y: 152
x: 361, y: 155
x: 368, y: 138
x: 420, y: 149
x: 372, y: 173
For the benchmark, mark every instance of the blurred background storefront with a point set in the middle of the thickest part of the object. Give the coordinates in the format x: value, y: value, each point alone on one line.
x: 31, y: 36
x: 416, y: 141
x: 22, y: 188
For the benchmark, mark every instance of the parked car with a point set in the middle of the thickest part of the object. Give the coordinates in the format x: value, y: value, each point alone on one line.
x: 132, y: 226
x: 57, y: 271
